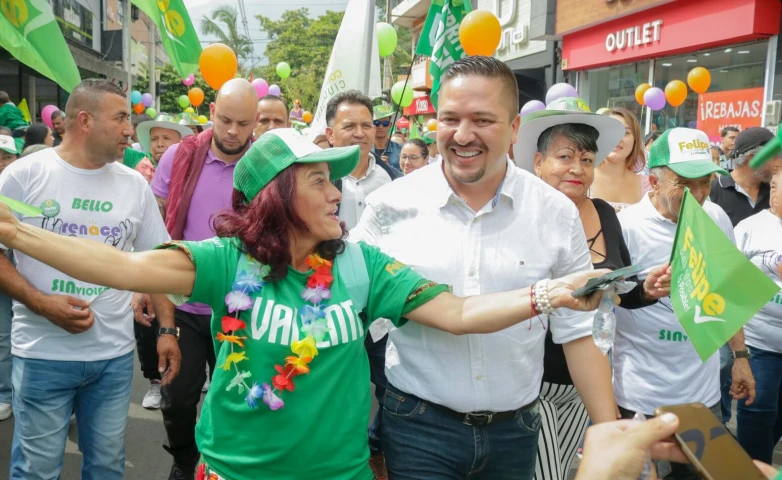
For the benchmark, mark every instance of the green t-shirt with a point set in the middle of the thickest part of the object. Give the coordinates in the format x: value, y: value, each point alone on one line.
x: 321, y: 433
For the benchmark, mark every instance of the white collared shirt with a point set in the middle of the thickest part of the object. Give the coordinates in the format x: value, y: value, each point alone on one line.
x: 355, y: 191
x: 528, y: 232
x: 654, y: 362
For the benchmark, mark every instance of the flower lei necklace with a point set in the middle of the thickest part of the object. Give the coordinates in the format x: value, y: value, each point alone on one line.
x: 249, y: 280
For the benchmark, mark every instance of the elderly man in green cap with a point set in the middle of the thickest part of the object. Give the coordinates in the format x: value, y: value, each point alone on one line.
x: 386, y: 150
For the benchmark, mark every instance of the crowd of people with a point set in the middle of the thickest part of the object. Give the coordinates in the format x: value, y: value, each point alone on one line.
x: 284, y: 275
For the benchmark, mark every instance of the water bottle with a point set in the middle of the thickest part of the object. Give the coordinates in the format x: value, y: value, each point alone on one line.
x: 646, y: 473
x: 604, y: 324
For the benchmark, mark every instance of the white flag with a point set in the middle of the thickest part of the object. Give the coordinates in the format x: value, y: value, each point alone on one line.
x: 354, y: 61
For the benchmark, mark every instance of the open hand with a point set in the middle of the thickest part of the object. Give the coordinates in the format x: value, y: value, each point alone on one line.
x: 657, y: 283
x: 560, y: 291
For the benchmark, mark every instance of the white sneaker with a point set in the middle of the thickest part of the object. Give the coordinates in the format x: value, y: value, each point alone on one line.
x: 152, y: 398
x: 205, y: 388
x: 5, y: 410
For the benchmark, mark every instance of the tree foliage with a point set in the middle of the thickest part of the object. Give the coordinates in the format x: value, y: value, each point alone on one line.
x: 169, y: 101
x: 223, y: 23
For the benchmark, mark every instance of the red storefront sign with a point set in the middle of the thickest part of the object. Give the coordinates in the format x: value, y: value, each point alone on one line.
x: 420, y: 106
x: 731, y: 108
x: 670, y: 29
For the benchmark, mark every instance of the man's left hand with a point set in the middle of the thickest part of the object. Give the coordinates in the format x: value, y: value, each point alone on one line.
x: 743, y: 385
x: 657, y: 283
x: 168, y: 356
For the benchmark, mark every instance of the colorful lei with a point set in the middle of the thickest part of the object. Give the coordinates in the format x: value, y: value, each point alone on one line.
x: 249, y: 280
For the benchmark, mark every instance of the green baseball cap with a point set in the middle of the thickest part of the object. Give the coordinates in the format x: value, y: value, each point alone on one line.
x: 430, y: 137
x: 686, y: 151
x: 8, y: 144
x: 163, y: 120
x: 382, y: 111
x: 559, y: 112
x: 278, y: 149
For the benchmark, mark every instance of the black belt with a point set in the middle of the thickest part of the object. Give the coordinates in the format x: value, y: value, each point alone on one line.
x: 481, y: 419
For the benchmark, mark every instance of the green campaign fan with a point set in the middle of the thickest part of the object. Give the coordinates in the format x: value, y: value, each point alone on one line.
x: 21, y: 207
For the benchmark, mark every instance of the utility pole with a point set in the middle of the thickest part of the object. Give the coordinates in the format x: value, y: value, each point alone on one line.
x: 126, y: 48
x: 152, y: 64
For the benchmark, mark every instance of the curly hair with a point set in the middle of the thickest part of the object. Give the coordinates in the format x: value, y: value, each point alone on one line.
x: 264, y: 224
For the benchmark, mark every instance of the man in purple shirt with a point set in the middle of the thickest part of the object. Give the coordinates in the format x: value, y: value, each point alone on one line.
x: 234, y: 116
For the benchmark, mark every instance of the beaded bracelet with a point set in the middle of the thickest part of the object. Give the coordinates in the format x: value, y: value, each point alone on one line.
x: 540, y: 297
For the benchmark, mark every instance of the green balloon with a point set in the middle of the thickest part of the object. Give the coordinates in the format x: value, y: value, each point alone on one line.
x: 402, y: 96
x: 386, y: 39
x: 184, y: 102
x: 151, y: 112
x: 283, y: 70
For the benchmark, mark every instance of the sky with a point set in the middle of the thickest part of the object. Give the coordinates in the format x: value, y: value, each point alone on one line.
x: 269, y: 8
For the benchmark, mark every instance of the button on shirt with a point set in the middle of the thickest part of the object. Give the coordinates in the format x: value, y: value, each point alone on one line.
x: 726, y: 193
x: 212, y: 194
x: 654, y: 362
x: 527, y: 233
x: 355, y: 191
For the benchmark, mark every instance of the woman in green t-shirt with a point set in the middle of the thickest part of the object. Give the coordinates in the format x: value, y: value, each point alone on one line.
x: 291, y: 302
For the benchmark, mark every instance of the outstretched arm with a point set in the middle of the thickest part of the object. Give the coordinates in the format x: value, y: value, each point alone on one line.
x: 157, y: 271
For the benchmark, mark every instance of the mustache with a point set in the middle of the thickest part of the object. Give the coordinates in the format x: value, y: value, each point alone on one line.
x: 474, y: 144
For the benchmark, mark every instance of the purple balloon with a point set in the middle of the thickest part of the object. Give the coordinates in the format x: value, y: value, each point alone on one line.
x: 654, y: 98
x: 692, y: 124
x: 532, y: 106
x: 560, y: 90
x: 274, y: 90
x: 147, y: 99
x: 261, y: 87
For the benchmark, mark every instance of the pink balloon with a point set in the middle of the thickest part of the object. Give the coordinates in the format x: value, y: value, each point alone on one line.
x: 189, y: 80
x: 46, y: 114
x: 261, y: 87
x: 654, y: 98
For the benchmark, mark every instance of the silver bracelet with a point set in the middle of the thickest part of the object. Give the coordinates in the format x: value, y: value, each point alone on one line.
x: 540, y: 297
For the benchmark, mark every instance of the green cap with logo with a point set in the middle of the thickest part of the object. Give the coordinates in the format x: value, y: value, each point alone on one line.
x: 278, y: 149
x: 382, y: 111
x: 686, y: 151
x: 7, y: 144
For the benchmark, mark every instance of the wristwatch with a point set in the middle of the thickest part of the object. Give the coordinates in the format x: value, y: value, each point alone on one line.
x: 169, y: 331
x: 740, y: 354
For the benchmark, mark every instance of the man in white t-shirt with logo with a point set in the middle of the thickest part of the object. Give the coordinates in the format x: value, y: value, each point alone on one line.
x: 72, y: 341
x: 654, y: 362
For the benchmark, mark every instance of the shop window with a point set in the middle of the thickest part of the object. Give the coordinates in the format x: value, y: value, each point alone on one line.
x: 612, y: 87
x: 735, y: 96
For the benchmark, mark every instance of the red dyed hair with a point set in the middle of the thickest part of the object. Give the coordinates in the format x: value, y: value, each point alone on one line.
x: 264, y: 224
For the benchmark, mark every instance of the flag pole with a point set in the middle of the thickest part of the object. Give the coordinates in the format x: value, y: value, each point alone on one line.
x: 370, y: 33
x: 126, y: 50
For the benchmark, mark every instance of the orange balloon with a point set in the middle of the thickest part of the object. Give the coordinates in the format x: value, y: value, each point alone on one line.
x: 676, y: 92
x: 218, y: 64
x: 431, y: 125
x: 639, y: 92
x: 139, y: 108
x: 307, y: 117
x: 196, y: 96
x: 480, y: 33
x: 699, y: 79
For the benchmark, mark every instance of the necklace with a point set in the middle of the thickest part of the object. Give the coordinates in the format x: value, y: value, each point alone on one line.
x: 249, y: 280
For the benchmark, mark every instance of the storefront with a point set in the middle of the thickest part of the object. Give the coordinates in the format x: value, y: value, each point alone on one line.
x: 736, y: 40
x: 420, y: 111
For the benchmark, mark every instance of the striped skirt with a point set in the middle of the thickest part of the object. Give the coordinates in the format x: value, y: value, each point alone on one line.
x: 563, y: 423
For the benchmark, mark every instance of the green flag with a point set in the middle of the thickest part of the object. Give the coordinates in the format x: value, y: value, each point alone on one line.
x: 29, y: 31
x: 715, y: 290
x: 180, y: 39
x: 440, y: 38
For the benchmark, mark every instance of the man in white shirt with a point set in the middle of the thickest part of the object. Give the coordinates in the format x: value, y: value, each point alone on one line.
x: 72, y: 342
x: 654, y: 363
x: 467, y: 406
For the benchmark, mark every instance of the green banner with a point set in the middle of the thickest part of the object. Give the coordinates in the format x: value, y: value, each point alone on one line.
x: 715, y: 290
x: 29, y: 31
x: 180, y: 39
x: 440, y: 38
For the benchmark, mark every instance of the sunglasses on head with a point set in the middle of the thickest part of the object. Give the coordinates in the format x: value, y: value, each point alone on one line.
x: 385, y: 123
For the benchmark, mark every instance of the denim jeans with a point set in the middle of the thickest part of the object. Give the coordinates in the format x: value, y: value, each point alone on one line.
x: 760, y: 424
x: 376, y: 351
x: 726, y: 365
x: 46, y: 392
x: 421, y: 440
x: 6, y: 315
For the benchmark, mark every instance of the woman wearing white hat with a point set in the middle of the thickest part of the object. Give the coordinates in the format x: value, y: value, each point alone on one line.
x: 564, y: 144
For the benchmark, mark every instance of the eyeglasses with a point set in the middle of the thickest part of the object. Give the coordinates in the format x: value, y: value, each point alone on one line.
x: 385, y: 123
x: 411, y: 158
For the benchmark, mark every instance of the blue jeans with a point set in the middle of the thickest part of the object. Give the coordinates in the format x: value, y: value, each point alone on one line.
x: 421, y: 440
x: 760, y: 424
x: 726, y: 365
x: 376, y: 352
x: 45, y: 394
x: 6, y: 315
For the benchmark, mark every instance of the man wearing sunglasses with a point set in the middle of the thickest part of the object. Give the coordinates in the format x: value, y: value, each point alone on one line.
x: 386, y: 150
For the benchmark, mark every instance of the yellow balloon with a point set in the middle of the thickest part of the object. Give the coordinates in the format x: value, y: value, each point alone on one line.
x: 189, y: 110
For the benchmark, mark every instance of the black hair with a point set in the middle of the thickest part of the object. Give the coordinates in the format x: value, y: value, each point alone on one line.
x: 420, y: 144
x: 35, y: 134
x: 275, y: 98
x: 351, y: 97
x: 488, y: 67
x: 584, y: 137
x: 725, y: 131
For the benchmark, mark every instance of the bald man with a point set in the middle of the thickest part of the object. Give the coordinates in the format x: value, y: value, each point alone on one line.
x: 187, y: 207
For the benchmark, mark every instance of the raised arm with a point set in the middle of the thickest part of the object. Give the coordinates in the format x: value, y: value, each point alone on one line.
x: 157, y: 271
x: 498, y: 311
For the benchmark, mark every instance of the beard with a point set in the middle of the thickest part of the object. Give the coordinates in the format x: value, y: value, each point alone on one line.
x: 229, y: 151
